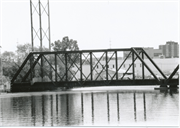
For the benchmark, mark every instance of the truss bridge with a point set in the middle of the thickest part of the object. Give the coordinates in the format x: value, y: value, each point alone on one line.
x: 42, y: 71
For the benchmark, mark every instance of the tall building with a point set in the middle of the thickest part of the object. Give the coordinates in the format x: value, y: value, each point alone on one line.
x: 170, y: 49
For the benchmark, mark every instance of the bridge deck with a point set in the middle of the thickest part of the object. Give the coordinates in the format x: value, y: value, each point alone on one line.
x: 42, y: 86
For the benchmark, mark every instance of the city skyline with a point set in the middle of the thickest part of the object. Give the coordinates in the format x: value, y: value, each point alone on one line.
x: 95, y: 25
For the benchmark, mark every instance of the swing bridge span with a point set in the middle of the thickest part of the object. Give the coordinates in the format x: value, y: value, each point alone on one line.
x: 42, y: 71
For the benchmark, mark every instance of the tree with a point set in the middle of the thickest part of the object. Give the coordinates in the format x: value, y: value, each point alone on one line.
x: 8, y: 56
x: 22, y: 52
x: 12, y: 61
x: 11, y: 66
x: 67, y: 45
x: 24, y: 49
x: 9, y: 69
x: 8, y: 64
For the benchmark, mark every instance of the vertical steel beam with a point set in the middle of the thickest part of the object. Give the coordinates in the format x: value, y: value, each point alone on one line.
x: 49, y: 27
x: 91, y: 66
x: 50, y: 70
x: 133, y: 68
x: 42, y: 65
x: 31, y: 66
x: 55, y: 66
x: 116, y: 59
x: 31, y: 74
x: 66, y: 65
x: 32, y: 40
x: 40, y: 24
x: 106, y: 65
x: 142, y: 66
x: 81, y: 67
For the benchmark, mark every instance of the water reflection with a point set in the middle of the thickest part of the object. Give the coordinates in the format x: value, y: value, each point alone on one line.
x: 92, y: 104
x: 91, y: 108
x: 144, y: 101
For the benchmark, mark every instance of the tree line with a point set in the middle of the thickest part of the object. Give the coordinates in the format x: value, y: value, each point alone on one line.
x: 11, y: 61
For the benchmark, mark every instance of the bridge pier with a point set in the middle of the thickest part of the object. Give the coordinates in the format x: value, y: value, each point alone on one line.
x: 166, y: 87
x: 163, y: 85
x: 161, y: 88
x: 172, y: 86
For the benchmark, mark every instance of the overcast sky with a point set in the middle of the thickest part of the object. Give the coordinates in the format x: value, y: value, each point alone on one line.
x: 95, y: 25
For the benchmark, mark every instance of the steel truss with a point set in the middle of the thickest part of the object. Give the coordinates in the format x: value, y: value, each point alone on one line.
x: 66, y: 69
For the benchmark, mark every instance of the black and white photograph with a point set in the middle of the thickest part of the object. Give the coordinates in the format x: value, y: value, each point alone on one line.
x: 89, y: 63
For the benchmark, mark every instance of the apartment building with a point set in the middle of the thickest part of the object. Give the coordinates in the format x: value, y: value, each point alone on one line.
x: 170, y: 49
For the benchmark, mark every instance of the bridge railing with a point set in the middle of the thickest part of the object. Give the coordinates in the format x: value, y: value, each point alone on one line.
x: 104, y: 65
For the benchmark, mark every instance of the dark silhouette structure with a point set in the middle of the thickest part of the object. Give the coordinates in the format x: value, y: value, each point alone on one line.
x: 50, y: 70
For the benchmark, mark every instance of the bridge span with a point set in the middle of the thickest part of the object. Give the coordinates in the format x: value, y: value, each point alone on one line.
x: 42, y: 71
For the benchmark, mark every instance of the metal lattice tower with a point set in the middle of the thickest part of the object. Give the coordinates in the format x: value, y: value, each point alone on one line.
x: 40, y: 32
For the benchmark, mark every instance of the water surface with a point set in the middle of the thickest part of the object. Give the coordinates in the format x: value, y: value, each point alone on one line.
x: 91, y: 107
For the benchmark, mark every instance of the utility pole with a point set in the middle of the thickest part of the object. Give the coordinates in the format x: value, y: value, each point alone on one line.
x: 42, y: 33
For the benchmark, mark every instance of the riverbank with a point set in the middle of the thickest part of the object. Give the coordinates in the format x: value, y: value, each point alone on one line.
x: 5, y: 84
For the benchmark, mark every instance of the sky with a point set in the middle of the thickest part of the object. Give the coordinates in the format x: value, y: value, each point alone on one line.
x: 94, y: 24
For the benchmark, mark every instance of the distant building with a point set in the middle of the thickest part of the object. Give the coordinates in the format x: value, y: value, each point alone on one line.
x: 153, y: 53
x: 170, y: 49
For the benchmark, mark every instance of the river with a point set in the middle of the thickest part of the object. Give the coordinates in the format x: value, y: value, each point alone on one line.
x: 99, y: 106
